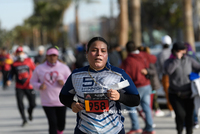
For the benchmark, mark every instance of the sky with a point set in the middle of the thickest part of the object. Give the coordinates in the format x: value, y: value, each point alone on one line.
x: 14, y: 12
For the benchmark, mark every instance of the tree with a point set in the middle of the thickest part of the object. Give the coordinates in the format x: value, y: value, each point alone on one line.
x: 123, y: 21
x: 164, y: 16
x: 136, y: 22
x: 47, y: 21
x: 188, y: 23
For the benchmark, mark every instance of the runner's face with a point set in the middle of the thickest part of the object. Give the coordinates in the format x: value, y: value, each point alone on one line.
x: 52, y: 58
x: 97, y: 55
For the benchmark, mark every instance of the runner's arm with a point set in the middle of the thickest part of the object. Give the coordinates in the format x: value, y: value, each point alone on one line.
x: 130, y: 100
x: 66, y: 100
x: 129, y: 95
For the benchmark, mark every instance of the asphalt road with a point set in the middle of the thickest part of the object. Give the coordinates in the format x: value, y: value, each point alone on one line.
x: 10, y: 120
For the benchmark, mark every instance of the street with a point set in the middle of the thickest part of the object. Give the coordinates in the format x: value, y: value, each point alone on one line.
x: 10, y: 120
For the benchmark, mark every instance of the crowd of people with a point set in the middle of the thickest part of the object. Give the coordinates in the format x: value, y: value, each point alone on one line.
x: 103, y: 76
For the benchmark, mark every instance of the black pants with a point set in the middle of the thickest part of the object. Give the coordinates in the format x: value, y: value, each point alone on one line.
x: 183, y: 109
x: 56, y: 118
x: 5, y: 78
x: 78, y: 131
x: 30, y: 94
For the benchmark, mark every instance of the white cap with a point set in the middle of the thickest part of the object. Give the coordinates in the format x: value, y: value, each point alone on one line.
x: 41, y: 48
x: 166, y: 40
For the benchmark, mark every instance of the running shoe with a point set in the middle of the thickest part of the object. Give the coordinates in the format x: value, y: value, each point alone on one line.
x: 138, y: 131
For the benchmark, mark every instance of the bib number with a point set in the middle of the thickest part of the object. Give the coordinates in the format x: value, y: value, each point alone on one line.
x: 96, y: 103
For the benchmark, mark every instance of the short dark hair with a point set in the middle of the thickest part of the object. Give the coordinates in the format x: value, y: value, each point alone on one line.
x: 130, y: 46
x: 96, y: 39
x: 178, y: 46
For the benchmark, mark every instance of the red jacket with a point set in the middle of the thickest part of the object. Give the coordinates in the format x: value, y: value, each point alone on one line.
x: 5, y: 62
x: 133, y: 65
x: 23, y: 73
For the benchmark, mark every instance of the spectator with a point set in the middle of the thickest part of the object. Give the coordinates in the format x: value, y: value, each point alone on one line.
x: 192, y: 54
x: 41, y: 55
x: 178, y: 67
x: 162, y: 57
x: 114, y: 57
x: 68, y: 57
x: 136, y: 65
x: 155, y: 84
x: 81, y: 60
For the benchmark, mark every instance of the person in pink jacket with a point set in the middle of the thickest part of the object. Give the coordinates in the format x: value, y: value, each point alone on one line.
x: 48, y: 78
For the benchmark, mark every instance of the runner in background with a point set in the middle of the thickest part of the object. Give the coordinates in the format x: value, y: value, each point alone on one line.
x: 22, y: 68
x: 48, y: 78
x: 5, y: 63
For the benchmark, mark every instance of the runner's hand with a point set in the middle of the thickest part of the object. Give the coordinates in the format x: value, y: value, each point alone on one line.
x: 60, y: 82
x: 8, y: 83
x: 43, y: 86
x: 76, y: 107
x: 113, y: 94
x: 144, y: 71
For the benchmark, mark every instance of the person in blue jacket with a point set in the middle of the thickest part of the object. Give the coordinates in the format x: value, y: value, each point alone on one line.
x: 100, y: 88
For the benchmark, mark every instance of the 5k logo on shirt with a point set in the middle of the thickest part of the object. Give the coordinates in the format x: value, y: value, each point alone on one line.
x: 88, y: 81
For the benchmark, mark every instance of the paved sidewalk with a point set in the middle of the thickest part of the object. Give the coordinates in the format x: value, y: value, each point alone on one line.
x: 10, y: 120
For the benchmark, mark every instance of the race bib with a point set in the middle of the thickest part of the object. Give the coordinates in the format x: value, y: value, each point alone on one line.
x: 96, y: 102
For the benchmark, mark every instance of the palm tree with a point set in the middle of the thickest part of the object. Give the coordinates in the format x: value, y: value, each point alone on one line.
x: 188, y: 23
x: 47, y: 20
x: 136, y: 21
x: 123, y: 20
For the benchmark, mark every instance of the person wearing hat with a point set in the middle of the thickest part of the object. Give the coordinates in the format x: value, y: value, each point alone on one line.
x: 178, y: 67
x: 48, y: 78
x: 166, y: 42
x: 22, y: 68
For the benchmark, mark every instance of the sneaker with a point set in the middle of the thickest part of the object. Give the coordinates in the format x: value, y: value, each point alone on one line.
x: 159, y: 113
x: 24, y: 123
x: 171, y: 114
x: 196, y: 126
x: 148, y: 132
x: 138, y: 131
